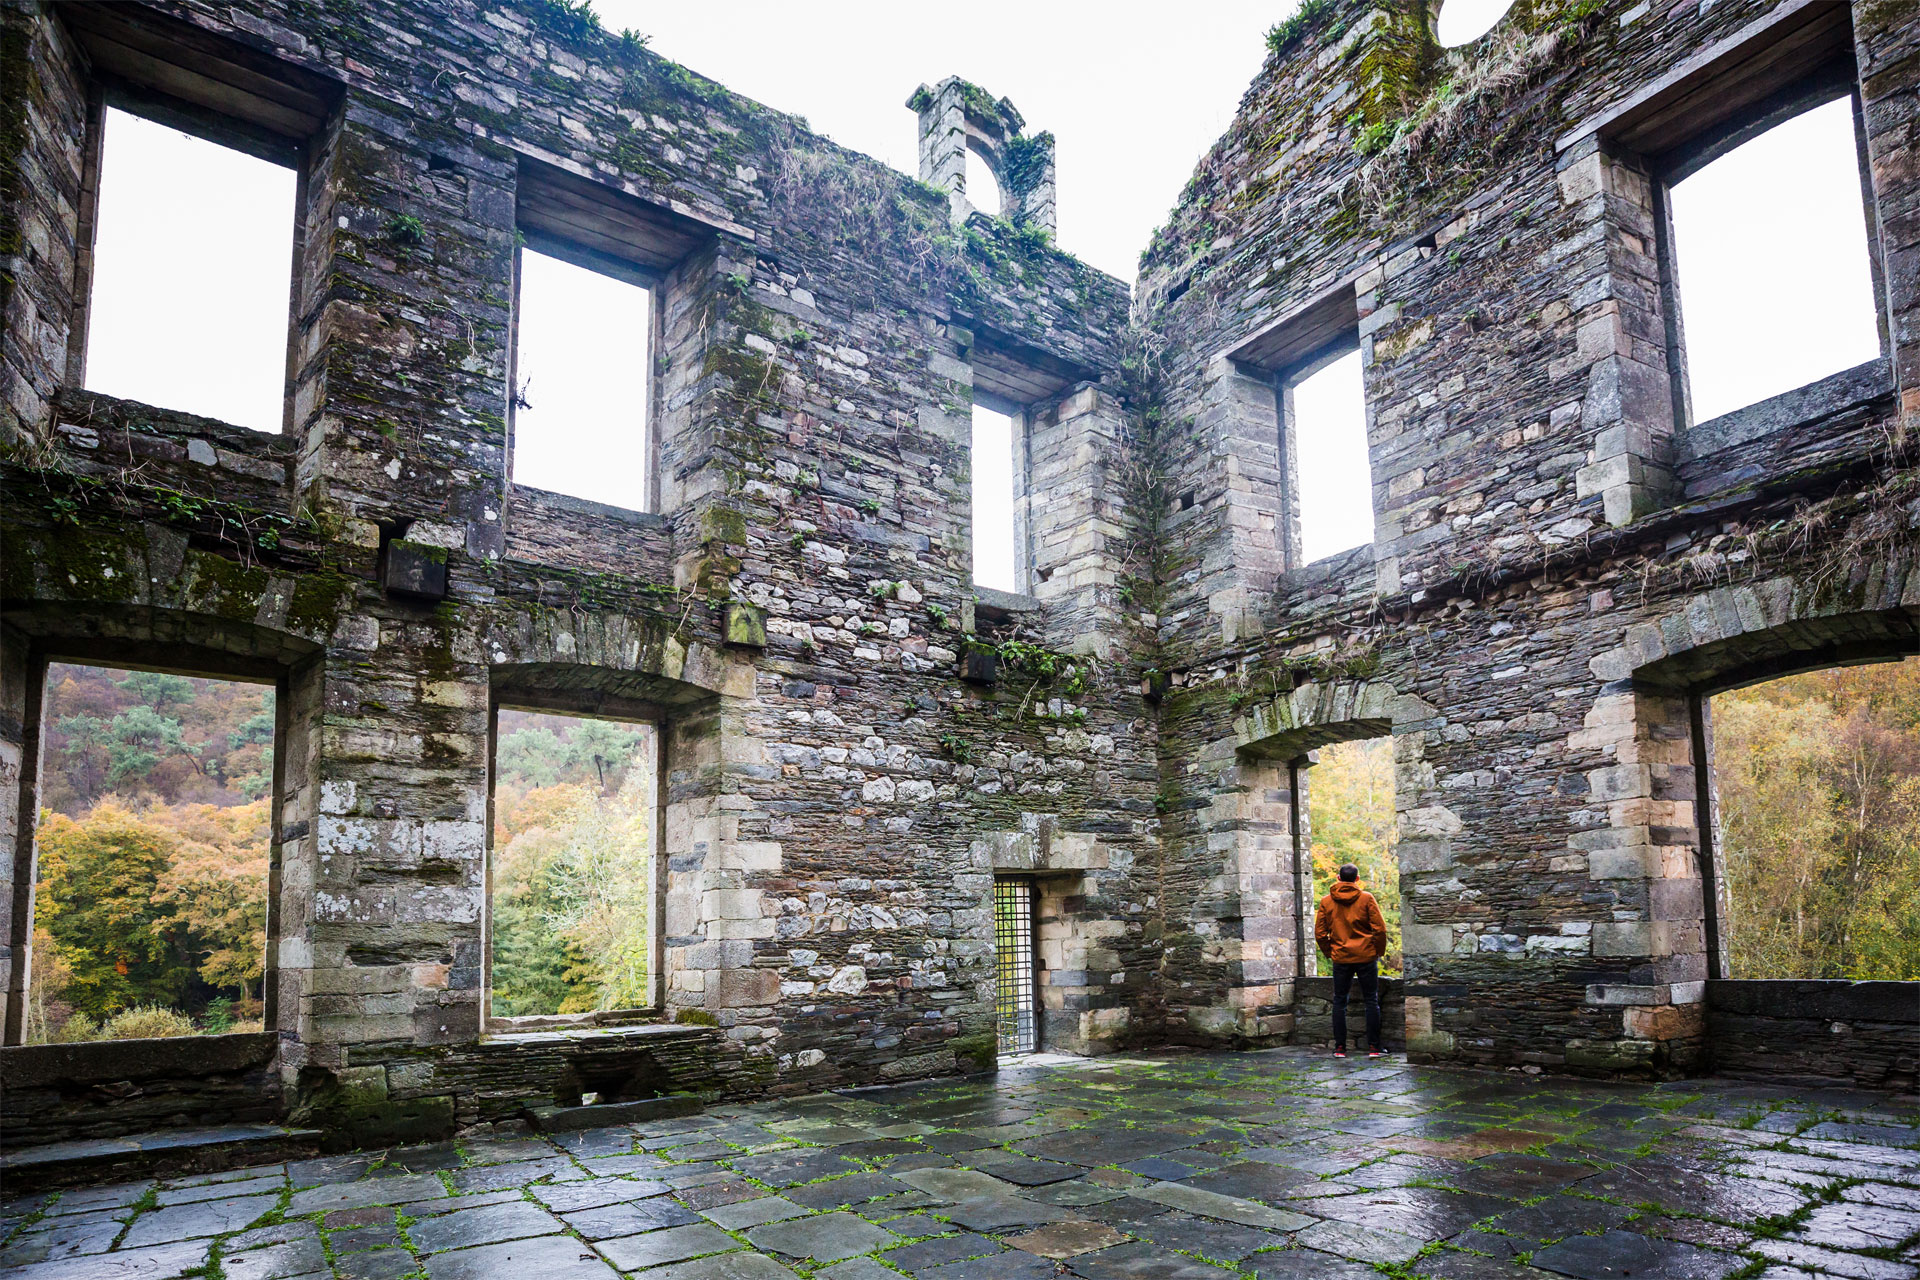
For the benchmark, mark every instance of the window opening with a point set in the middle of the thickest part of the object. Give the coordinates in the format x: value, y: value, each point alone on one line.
x: 1352, y: 819
x: 1818, y: 782
x: 581, y: 382
x: 994, y: 563
x: 1334, y: 479
x: 1772, y: 263
x: 983, y: 189
x: 151, y: 856
x: 1013, y: 945
x: 192, y: 274
x: 1464, y: 21
x: 572, y: 885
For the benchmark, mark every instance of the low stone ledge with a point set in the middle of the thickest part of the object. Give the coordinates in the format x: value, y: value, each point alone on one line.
x: 1811, y: 1030
x: 1837, y: 999
x: 1313, y: 1013
x: 111, y: 1088
x: 29, y: 1066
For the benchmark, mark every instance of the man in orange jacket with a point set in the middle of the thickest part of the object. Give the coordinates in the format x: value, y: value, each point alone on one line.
x: 1353, y: 934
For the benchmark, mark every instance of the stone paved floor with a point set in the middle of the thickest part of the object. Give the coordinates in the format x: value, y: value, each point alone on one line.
x: 1272, y: 1165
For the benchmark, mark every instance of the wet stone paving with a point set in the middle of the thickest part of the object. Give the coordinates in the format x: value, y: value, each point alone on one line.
x: 1147, y: 1167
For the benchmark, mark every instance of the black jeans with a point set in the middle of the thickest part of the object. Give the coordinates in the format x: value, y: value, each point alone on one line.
x: 1343, y: 976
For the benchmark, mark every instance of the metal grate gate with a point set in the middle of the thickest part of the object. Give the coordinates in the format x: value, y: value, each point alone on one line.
x: 1013, y: 943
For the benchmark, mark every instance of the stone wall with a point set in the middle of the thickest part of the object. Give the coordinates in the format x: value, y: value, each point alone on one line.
x: 60, y: 1092
x: 853, y: 740
x: 1561, y: 566
x: 1855, y: 1033
x: 823, y: 783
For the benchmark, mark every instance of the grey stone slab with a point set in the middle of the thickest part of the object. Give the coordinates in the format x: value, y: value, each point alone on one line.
x: 276, y: 1261
x: 955, y: 1185
x: 94, y: 1199
x: 191, y: 1221
x: 1003, y: 1213
x: 784, y: 1168
x: 857, y: 1269
x: 488, y: 1224
x: 827, y: 1237
x: 407, y: 1189
x: 657, y: 1248
x: 518, y: 1174
x: 752, y: 1213
x: 1848, y: 1225
x: 1071, y: 1194
x: 1427, y: 1212
x: 360, y: 1239
x: 1024, y: 1172
x: 725, y: 1266
x: 1308, y: 1264
x: 1012, y: 1264
x: 565, y: 1197
x: 1252, y: 1180
x: 267, y: 1185
x: 68, y: 1237
x: 161, y: 1262
x: 1143, y: 1262
x: 1625, y: 1253
x: 1362, y: 1244
x: 854, y: 1189
x: 1212, y: 1204
x: 376, y: 1264
x: 1219, y: 1241
x: 630, y: 1218
x: 1103, y: 1146
x: 1851, y: 1265
x: 1451, y: 1264
x: 941, y: 1250
x: 541, y: 1258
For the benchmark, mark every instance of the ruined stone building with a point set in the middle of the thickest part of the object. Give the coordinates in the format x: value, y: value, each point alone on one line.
x: 854, y: 742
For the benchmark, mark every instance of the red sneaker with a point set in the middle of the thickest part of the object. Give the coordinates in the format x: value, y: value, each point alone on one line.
x: 1375, y: 1053
x: 1339, y: 1053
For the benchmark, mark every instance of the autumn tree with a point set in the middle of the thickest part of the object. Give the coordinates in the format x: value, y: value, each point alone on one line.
x: 98, y: 881
x: 1351, y: 819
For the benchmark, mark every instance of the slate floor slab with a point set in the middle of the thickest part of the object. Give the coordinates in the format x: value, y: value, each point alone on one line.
x: 1281, y: 1165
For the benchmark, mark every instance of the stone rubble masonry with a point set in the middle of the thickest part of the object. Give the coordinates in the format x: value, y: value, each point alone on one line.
x: 1561, y: 563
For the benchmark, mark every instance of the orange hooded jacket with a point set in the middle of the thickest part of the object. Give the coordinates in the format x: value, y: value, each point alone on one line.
x: 1348, y: 926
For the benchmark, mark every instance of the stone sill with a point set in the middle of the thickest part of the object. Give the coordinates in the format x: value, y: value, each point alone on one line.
x: 38, y: 1065
x: 561, y: 1032
x: 77, y: 411
x: 549, y: 500
x: 1000, y: 604
x: 1836, y: 393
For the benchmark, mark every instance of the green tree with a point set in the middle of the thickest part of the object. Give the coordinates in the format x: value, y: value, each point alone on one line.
x: 138, y: 739
x: 158, y: 690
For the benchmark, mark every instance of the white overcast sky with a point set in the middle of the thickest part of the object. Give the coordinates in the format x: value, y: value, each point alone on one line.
x: 193, y: 246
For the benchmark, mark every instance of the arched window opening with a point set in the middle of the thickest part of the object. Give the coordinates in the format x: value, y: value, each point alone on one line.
x: 983, y: 189
x: 1464, y: 21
